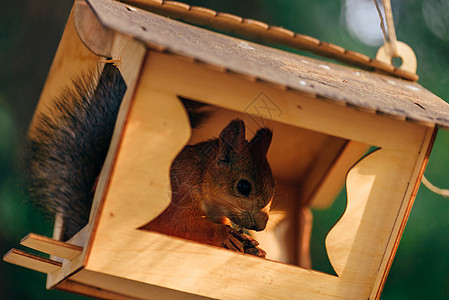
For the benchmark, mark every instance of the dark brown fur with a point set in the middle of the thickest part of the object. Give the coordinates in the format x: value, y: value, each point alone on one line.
x: 67, y: 146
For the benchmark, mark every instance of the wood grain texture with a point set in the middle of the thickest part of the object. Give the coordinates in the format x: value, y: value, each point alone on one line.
x: 379, y: 191
x: 31, y: 261
x: 406, y: 208
x: 358, y: 89
x: 332, y: 178
x: 195, y: 81
x: 131, y: 55
x: 215, y: 272
x: 94, y: 36
x: 51, y: 246
x: 71, y: 57
x: 87, y: 290
x: 266, y: 32
x: 117, y: 286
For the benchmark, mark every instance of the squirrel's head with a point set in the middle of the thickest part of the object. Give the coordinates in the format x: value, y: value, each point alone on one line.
x: 238, y: 184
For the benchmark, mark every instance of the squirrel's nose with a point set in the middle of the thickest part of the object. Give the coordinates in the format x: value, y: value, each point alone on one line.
x: 258, y: 221
x: 257, y: 227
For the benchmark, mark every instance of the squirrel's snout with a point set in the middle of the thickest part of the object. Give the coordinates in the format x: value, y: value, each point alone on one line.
x: 257, y: 221
x: 257, y: 227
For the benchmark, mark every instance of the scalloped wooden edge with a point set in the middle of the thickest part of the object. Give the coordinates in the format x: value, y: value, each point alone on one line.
x: 269, y: 33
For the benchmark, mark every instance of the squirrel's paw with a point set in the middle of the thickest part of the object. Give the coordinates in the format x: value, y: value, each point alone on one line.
x: 241, y: 242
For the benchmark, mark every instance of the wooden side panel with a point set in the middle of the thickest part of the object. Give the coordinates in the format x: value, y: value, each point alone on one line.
x: 129, y: 55
x: 72, y: 58
x: 404, y: 213
x: 197, y: 81
x: 156, y: 130
x: 331, y: 180
x: 380, y: 191
x: 114, y: 287
x: 88, y: 290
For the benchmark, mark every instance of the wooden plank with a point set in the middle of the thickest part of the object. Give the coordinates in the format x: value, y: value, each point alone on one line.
x: 200, y: 269
x: 266, y: 32
x: 30, y: 261
x: 94, y: 36
x: 305, y: 224
x: 321, y: 164
x: 356, y: 88
x: 71, y: 58
x: 380, y: 193
x: 195, y: 81
x: 130, y: 55
x: 415, y: 182
x: 87, y: 290
x: 322, y: 195
x: 119, y: 287
x: 50, y: 246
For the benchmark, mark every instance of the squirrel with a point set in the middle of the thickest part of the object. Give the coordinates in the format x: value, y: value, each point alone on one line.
x: 215, y: 184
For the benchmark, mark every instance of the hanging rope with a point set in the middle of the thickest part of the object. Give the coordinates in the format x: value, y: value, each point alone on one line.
x: 392, y: 48
x: 390, y: 39
x: 390, y: 25
x: 382, y: 24
x: 391, y: 45
x: 436, y: 190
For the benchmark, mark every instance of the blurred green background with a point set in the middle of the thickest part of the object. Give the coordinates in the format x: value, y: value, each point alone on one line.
x: 29, y: 34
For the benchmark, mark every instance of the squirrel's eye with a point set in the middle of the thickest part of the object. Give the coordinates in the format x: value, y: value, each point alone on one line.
x: 244, y: 187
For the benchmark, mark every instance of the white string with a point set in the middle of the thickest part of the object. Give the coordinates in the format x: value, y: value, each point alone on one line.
x: 436, y: 190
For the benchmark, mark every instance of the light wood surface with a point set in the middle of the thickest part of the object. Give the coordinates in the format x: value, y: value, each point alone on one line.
x: 72, y: 58
x: 133, y: 289
x: 355, y: 88
x: 199, y: 82
x: 212, y: 272
x: 51, y: 246
x: 328, y: 174
x: 405, y: 52
x: 86, y: 290
x: 273, y: 34
x: 30, y: 261
x: 96, y: 38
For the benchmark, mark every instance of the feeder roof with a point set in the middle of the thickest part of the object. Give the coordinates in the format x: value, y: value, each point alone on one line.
x: 359, y: 89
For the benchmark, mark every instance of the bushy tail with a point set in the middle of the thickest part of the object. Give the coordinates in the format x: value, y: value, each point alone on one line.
x: 67, y: 146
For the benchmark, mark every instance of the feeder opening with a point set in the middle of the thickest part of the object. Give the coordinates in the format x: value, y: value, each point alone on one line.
x: 309, y: 168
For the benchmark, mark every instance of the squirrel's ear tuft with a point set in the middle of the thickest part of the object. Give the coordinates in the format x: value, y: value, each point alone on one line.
x: 232, y: 138
x: 261, y: 141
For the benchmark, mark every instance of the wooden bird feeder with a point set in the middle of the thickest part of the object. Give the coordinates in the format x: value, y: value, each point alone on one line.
x: 324, y: 117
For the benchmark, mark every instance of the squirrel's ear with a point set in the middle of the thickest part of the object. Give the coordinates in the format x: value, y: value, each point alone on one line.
x: 261, y: 141
x: 232, y: 137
